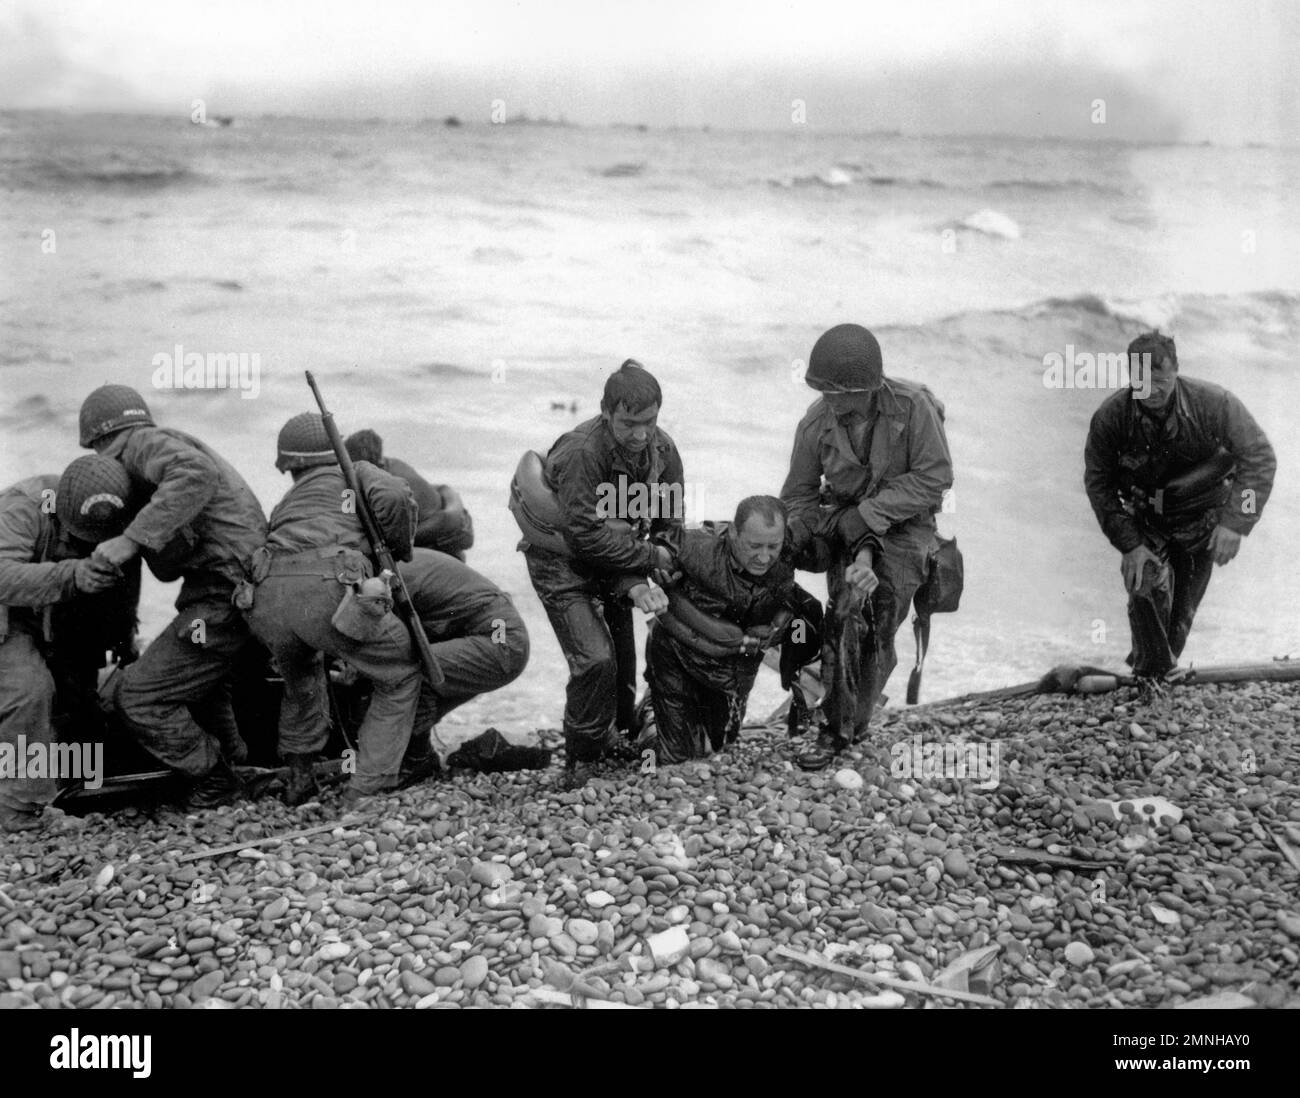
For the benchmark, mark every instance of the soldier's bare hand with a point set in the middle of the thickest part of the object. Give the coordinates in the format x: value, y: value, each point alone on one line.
x: 116, y: 550
x: 860, y: 574
x: 1133, y: 567
x: 649, y: 600
x: 93, y: 575
x: 1224, y: 544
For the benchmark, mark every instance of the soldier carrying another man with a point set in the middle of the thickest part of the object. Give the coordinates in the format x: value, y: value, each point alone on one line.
x: 590, y: 547
x: 868, y: 472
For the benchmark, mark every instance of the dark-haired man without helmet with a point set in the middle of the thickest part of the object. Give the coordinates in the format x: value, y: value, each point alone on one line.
x: 868, y: 472
x: 1177, y: 472
x: 316, y: 551
x: 49, y: 525
x: 445, y: 524
x: 736, y: 598
x: 621, y: 456
x: 200, y: 524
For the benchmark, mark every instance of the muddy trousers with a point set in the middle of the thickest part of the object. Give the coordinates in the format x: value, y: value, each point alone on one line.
x: 291, y: 615
x: 595, y: 634
x: 900, y: 568
x: 26, y: 710
x: 175, y: 699
x: 1161, y: 612
x: 492, y: 652
x: 694, y: 717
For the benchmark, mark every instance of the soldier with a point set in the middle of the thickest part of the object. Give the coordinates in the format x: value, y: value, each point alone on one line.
x: 619, y: 519
x: 315, y: 559
x: 736, y: 598
x: 445, y: 524
x: 1176, y: 479
x: 49, y: 525
x: 868, y: 472
x: 481, y: 644
x: 200, y: 525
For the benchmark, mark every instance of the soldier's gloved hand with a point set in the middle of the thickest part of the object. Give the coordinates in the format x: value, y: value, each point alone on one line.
x: 649, y: 600
x: 859, y: 574
x: 116, y: 550
x: 1224, y: 544
x: 1133, y: 567
x: 94, y: 575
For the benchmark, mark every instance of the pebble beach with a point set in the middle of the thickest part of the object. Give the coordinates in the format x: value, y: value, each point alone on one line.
x: 1132, y: 852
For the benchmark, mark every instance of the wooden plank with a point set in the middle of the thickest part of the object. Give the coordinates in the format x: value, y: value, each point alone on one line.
x: 817, y: 961
x: 270, y: 840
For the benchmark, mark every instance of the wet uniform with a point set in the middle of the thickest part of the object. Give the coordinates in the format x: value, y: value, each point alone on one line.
x: 698, y: 699
x: 1130, y: 453
x: 892, y: 468
x: 585, y: 594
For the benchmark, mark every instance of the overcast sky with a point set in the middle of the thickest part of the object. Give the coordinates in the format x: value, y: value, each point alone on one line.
x: 1168, y: 69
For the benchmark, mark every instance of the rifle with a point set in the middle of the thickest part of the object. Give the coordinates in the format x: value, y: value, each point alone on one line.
x: 401, y: 596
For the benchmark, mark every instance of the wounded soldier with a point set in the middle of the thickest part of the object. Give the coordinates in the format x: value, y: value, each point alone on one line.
x: 735, y: 599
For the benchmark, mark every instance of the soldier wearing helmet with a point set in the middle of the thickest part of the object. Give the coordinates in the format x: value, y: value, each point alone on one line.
x: 200, y: 524
x: 48, y: 527
x: 1177, y: 472
x: 309, y: 577
x: 868, y: 472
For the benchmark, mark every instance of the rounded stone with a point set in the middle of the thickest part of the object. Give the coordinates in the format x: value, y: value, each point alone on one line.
x: 474, y: 971
x: 954, y: 864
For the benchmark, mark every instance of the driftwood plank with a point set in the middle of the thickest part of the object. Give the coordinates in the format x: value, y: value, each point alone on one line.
x: 817, y: 961
x: 270, y: 840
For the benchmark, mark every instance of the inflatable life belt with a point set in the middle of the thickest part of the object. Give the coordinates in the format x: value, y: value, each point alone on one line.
x: 537, y: 509
x: 715, y: 637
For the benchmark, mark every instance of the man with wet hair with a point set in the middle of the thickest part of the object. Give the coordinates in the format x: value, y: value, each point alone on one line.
x: 618, y: 480
x: 1177, y: 472
x: 735, y: 599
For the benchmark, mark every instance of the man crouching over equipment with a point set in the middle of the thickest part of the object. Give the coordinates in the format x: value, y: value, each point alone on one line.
x: 735, y: 599
x: 1176, y: 478
x: 618, y: 519
x: 316, y: 592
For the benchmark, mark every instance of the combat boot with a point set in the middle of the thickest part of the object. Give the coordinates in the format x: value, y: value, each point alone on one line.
x: 417, y: 769
x: 218, y: 786
x: 823, y: 751
x: 301, y: 785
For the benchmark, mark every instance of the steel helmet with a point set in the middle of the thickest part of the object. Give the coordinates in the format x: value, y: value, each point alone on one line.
x: 94, y: 497
x: 845, y: 357
x: 304, y: 443
x: 111, y: 408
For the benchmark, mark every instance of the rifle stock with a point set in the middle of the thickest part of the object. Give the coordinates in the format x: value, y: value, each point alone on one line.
x: 401, y: 596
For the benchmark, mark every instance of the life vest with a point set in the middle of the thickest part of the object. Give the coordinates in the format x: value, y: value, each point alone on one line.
x: 715, y: 637
x: 537, y: 509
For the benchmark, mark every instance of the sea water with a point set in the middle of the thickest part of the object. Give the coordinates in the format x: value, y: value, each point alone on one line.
x: 465, y: 291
